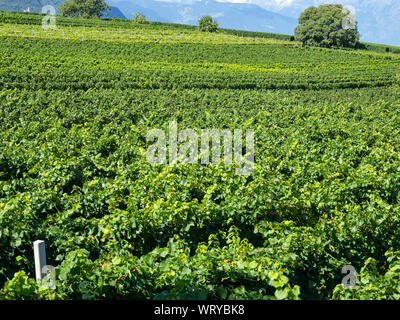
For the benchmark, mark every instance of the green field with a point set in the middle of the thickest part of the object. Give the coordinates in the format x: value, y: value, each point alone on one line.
x: 76, y: 105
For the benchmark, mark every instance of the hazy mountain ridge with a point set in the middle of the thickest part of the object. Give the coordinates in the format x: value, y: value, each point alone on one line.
x: 37, y: 5
x: 33, y: 5
x: 229, y: 15
x: 129, y: 8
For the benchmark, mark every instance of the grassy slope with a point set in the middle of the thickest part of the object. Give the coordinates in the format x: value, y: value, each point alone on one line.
x: 33, y: 18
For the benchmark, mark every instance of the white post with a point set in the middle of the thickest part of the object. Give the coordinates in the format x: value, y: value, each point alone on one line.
x: 39, y: 251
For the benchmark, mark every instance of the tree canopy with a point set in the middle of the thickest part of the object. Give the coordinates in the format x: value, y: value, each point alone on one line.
x: 139, y: 18
x: 84, y: 8
x: 207, y: 24
x: 329, y: 25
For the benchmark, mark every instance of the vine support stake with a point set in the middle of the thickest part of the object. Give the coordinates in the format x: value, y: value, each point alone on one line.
x: 39, y: 250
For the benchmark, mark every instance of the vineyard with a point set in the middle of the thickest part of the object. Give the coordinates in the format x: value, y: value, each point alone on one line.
x: 76, y: 104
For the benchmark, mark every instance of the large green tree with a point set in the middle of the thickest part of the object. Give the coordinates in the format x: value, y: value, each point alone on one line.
x: 207, y: 24
x: 329, y: 25
x: 84, y: 8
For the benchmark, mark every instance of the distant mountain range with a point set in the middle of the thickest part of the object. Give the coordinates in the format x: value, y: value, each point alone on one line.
x: 33, y: 5
x: 229, y: 15
x: 115, y: 12
x: 379, y: 20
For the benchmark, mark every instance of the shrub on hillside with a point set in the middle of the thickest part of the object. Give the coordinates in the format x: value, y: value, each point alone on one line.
x: 207, y: 24
x: 139, y: 18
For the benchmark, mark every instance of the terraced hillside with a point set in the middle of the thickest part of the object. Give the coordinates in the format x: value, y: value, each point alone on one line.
x: 76, y: 105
